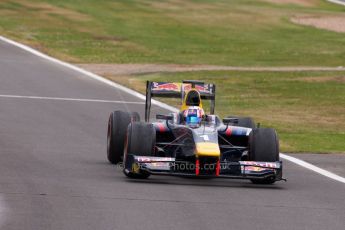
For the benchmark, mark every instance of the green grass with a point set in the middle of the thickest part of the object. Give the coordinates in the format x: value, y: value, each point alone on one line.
x: 232, y: 32
x: 306, y: 108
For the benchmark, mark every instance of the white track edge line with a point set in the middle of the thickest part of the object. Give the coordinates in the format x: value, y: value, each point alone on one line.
x: 85, y: 72
x: 68, y: 99
x: 158, y: 103
x: 313, y: 168
x: 337, y: 2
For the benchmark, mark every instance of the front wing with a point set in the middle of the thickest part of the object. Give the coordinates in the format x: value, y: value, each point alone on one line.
x: 233, y: 170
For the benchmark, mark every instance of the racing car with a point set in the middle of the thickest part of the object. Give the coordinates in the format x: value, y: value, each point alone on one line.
x: 190, y: 142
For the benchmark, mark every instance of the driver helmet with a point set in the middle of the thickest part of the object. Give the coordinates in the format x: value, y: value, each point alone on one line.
x: 193, y: 115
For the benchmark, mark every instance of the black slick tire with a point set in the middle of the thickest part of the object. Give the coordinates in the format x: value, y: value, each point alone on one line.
x: 140, y: 141
x: 117, y: 129
x: 263, y: 146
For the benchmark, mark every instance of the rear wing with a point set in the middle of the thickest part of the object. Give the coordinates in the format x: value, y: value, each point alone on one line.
x: 178, y: 90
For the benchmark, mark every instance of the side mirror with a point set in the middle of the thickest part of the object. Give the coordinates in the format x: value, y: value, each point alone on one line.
x: 164, y: 117
x: 230, y: 120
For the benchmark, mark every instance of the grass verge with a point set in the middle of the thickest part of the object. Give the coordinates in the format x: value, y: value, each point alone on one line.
x: 223, y: 32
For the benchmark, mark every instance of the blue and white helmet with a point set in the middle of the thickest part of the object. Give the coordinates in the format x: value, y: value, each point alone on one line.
x: 193, y: 115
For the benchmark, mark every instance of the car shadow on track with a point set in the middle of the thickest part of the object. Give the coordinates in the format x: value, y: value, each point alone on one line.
x: 204, y: 182
x: 193, y: 181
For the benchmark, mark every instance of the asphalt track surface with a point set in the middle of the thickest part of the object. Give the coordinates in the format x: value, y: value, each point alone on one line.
x: 54, y: 173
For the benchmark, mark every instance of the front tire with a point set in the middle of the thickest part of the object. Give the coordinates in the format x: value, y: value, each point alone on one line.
x: 117, y: 128
x: 141, y: 141
x: 263, y: 146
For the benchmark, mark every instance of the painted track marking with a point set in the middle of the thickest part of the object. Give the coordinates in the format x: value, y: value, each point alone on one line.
x: 313, y: 168
x: 69, y: 99
x: 85, y: 72
x: 158, y: 103
x: 340, y: 2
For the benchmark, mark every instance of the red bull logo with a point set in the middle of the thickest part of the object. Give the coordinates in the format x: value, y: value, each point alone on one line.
x: 200, y: 88
x: 260, y: 164
x: 253, y: 169
x: 165, y: 86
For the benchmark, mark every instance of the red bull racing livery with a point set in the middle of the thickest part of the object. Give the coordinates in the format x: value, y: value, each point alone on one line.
x: 191, y: 142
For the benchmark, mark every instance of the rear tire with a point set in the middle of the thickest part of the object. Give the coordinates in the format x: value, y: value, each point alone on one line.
x: 141, y: 141
x: 246, y: 122
x: 263, y: 146
x: 117, y: 128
